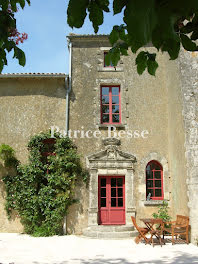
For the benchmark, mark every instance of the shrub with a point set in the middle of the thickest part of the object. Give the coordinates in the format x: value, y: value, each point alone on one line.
x: 42, y: 191
x: 162, y: 212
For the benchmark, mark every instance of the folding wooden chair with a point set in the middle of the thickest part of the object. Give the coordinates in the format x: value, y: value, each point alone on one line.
x: 142, y: 232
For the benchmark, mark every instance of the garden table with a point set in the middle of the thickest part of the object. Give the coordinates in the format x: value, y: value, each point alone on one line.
x: 150, y: 224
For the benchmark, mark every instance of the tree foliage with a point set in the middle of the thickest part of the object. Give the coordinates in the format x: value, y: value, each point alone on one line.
x: 9, y: 36
x: 42, y: 191
x: 167, y: 24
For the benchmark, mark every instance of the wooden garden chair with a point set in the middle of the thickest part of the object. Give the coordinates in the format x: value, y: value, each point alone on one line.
x: 142, y: 232
x: 178, y: 228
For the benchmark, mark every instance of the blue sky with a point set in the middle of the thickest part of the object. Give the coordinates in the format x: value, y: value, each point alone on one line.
x: 45, y: 22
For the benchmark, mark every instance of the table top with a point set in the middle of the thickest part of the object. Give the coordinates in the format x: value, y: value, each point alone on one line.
x: 150, y: 220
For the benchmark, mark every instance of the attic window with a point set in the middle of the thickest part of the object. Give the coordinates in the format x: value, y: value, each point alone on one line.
x: 105, y: 64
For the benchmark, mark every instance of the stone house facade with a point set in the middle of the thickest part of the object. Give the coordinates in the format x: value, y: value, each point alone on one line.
x: 137, y: 134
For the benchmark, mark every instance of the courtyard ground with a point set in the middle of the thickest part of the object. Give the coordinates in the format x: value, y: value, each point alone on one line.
x: 17, y: 249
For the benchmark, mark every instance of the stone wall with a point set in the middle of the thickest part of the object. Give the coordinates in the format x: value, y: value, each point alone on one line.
x: 188, y: 63
x: 147, y: 102
x: 27, y: 106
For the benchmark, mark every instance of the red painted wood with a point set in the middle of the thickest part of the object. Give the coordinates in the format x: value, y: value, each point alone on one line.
x: 153, y: 165
x: 110, y: 104
x: 111, y: 200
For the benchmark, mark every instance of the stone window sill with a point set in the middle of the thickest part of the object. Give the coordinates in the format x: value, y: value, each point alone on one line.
x: 117, y: 126
x: 110, y: 69
x: 153, y: 202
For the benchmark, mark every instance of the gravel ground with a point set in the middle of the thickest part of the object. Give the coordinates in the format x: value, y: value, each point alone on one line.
x: 17, y: 249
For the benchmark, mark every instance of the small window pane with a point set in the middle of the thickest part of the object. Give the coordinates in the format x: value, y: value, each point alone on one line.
x: 120, y: 202
x: 105, y: 90
x: 157, y: 174
x: 113, y: 182
x: 103, y: 202
x: 149, y: 183
x: 113, y: 202
x: 105, y: 109
x: 149, y: 191
x: 119, y: 182
x: 120, y: 192
x: 116, y: 118
x: 115, y: 90
x: 157, y: 166
x: 149, y: 174
x: 158, y: 183
x: 115, y: 109
x: 103, y: 192
x: 158, y: 192
x: 105, y: 99
x: 103, y: 182
x: 113, y: 192
x: 105, y: 118
x: 115, y: 99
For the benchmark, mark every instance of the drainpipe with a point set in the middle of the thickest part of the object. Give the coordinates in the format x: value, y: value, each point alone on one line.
x: 68, y: 90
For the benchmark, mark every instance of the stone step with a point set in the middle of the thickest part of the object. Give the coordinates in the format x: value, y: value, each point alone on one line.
x: 109, y: 235
x: 111, y: 228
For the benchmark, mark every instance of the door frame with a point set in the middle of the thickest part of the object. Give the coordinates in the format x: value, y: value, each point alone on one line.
x: 123, y: 208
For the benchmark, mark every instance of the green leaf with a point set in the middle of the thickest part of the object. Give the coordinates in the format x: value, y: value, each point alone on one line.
x: 194, y: 35
x: 152, y: 66
x: 13, y: 5
x: 95, y: 15
x: 141, y: 62
x: 134, y: 44
x: 140, y: 18
x: 187, y: 43
x: 1, y: 65
x: 22, y: 3
x: 189, y: 27
x: 20, y: 55
x: 172, y: 47
x: 113, y: 56
x: 104, y: 4
x: 114, y: 36
x: 9, y: 45
x: 76, y: 12
x: 123, y: 48
x: 118, y: 6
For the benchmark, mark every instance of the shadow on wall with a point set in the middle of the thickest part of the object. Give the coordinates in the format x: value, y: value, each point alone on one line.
x: 3, y: 172
x: 30, y: 87
x: 182, y: 258
x: 75, y: 223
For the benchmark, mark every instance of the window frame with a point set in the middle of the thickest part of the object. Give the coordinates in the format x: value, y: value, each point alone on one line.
x: 154, y: 179
x: 110, y: 106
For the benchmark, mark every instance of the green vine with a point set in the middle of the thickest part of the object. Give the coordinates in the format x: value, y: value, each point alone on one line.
x: 42, y: 191
x: 7, y: 154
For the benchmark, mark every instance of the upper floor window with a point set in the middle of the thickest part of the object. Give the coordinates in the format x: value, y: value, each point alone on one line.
x: 105, y: 64
x: 110, y: 105
x: 154, y: 180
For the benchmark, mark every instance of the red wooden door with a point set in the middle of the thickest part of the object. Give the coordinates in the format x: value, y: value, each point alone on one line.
x: 111, y: 200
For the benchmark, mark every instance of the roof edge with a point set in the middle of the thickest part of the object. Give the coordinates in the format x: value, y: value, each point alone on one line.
x: 87, y: 37
x: 33, y: 75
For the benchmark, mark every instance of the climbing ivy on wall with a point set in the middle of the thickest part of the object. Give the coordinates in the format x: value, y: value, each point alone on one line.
x: 42, y: 191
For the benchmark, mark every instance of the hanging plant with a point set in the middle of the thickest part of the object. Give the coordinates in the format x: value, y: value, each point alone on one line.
x: 42, y: 191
